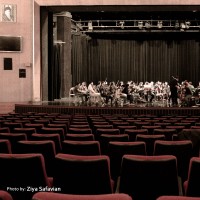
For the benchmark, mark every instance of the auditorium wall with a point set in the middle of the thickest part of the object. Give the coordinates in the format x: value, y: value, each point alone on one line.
x: 28, y: 88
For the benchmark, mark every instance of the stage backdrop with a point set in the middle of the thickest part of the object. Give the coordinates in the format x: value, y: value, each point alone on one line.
x: 137, y: 57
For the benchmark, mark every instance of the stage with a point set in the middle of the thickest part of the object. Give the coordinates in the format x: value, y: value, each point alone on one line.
x: 67, y: 106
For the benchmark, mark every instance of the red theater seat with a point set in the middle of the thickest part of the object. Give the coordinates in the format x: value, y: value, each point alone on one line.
x: 83, y: 174
x: 57, y: 196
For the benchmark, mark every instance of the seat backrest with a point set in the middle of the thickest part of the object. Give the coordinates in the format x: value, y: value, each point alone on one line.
x: 81, y: 147
x: 80, y: 137
x: 164, y: 197
x: 5, y: 146
x: 20, y: 171
x: 53, y: 136
x: 148, y: 177
x: 149, y: 140
x: 106, y: 138
x: 13, y: 138
x: 118, y: 149
x: 57, y: 196
x: 192, y: 184
x: 46, y: 148
x: 4, y: 195
x: 181, y: 149
x: 83, y: 174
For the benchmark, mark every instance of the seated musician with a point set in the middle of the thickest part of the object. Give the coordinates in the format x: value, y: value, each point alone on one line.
x: 148, y: 92
x: 187, y: 91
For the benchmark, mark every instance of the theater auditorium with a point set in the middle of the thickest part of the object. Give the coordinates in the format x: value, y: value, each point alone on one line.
x: 99, y: 100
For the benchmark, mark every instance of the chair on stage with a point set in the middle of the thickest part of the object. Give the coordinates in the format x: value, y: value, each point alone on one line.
x: 86, y: 175
x: 58, y: 196
x: 148, y: 177
x: 90, y: 148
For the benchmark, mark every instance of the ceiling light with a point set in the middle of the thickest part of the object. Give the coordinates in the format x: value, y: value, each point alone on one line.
x: 160, y: 24
x: 147, y: 24
x: 140, y: 24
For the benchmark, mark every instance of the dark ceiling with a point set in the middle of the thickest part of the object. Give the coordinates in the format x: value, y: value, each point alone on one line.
x: 128, y: 12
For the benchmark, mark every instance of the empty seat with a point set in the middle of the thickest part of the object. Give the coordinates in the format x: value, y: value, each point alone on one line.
x: 83, y: 174
x: 80, y: 130
x: 57, y: 196
x: 132, y: 133
x: 149, y: 140
x: 27, y: 131
x: 25, y: 171
x: 118, y: 149
x: 4, y: 195
x: 192, y: 184
x: 177, y: 198
x: 181, y: 149
x: 46, y: 148
x: 81, y: 147
x: 13, y: 138
x: 5, y: 146
x: 79, y: 137
x: 52, y: 136
x: 168, y: 132
x: 148, y: 177
x: 50, y: 130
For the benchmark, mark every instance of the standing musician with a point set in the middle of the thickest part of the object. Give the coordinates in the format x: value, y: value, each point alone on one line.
x: 174, y: 85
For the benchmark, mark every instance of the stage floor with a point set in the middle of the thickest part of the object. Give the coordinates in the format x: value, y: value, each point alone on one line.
x: 70, y: 106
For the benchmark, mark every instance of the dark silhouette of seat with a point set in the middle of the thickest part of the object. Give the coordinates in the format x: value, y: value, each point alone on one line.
x: 83, y: 174
x: 181, y: 149
x: 149, y: 140
x: 148, y: 177
x: 124, y: 127
x: 22, y: 171
x: 104, y: 130
x: 4, y: 130
x: 57, y: 196
x: 80, y: 137
x: 46, y: 148
x: 81, y: 147
x: 5, y: 146
x: 13, y: 138
x: 192, y: 184
x: 106, y: 138
x: 118, y: 149
x: 150, y: 128
x: 37, y: 127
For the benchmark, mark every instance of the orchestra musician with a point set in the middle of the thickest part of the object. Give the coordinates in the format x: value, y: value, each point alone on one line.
x: 174, y: 86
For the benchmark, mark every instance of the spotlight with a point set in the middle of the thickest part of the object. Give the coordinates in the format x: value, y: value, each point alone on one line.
x: 147, y: 25
x: 176, y: 24
x: 140, y: 24
x: 182, y: 27
x: 121, y: 23
x: 187, y: 24
x: 160, y: 24
x: 90, y: 27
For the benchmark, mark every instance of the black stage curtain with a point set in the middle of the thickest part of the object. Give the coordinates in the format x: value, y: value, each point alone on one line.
x: 137, y: 57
